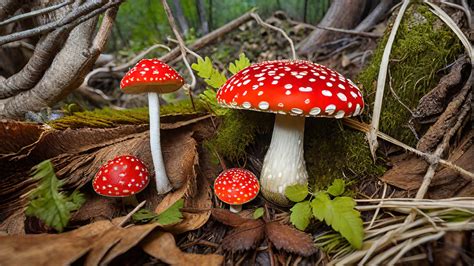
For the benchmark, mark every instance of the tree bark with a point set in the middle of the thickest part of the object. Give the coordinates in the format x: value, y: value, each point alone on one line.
x: 341, y: 14
x: 183, y: 24
x: 201, y: 8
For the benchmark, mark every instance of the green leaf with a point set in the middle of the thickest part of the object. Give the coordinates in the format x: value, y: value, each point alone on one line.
x: 258, y: 213
x: 172, y: 215
x: 337, y: 187
x: 47, y: 203
x: 211, y: 75
x: 240, y: 64
x: 301, y: 215
x: 296, y: 193
x: 340, y: 214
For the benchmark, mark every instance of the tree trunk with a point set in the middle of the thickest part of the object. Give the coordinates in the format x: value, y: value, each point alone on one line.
x: 375, y: 16
x: 342, y: 14
x: 201, y: 8
x: 183, y: 24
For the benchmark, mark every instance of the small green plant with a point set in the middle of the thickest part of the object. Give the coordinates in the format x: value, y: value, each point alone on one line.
x: 329, y: 206
x: 47, y: 203
x: 259, y: 212
x: 239, y: 64
x: 212, y: 76
x: 172, y: 215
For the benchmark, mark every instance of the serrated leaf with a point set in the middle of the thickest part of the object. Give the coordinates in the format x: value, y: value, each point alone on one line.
x: 239, y: 64
x: 289, y: 239
x: 337, y: 187
x: 211, y: 75
x: 244, y: 236
x: 47, y: 203
x: 296, y: 193
x: 172, y: 215
x: 340, y: 214
x: 301, y: 215
x: 258, y: 213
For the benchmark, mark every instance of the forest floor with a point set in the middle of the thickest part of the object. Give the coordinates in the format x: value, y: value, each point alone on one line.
x: 397, y: 222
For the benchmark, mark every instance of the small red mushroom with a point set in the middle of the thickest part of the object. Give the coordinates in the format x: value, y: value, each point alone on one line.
x: 293, y: 90
x: 153, y: 77
x: 236, y: 186
x: 122, y: 176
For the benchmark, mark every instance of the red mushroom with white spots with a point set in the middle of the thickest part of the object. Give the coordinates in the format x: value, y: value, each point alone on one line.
x: 152, y: 76
x: 236, y: 187
x: 293, y: 90
x: 122, y: 176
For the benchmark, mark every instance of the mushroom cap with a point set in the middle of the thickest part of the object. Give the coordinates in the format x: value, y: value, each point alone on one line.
x: 151, y: 75
x: 295, y: 87
x: 236, y: 186
x: 122, y: 176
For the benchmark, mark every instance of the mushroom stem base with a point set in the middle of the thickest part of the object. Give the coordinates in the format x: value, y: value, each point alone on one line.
x: 162, y: 182
x: 284, y: 163
x: 235, y: 208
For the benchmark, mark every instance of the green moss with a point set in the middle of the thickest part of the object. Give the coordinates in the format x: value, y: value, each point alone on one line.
x: 332, y: 151
x: 103, y: 118
x: 423, y: 45
x: 237, y: 131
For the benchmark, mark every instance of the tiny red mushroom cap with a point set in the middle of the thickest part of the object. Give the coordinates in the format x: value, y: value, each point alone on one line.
x: 295, y: 87
x: 121, y: 177
x: 151, y: 75
x: 236, y: 186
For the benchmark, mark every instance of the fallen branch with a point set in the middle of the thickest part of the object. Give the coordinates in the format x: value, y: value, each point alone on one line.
x: 208, y: 38
x: 35, y: 13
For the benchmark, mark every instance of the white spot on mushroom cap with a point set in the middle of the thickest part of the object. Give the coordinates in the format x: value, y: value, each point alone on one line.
x: 263, y: 105
x: 326, y: 93
x: 315, y: 111
x: 342, y: 97
x: 330, y: 109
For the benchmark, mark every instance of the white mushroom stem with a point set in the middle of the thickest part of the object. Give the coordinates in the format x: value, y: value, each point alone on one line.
x: 162, y: 183
x: 235, y: 208
x: 284, y: 163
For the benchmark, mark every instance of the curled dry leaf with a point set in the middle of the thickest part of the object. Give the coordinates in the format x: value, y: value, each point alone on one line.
x: 127, y: 239
x: 228, y: 218
x: 162, y: 246
x: 290, y: 239
x: 38, y: 248
x: 245, y: 236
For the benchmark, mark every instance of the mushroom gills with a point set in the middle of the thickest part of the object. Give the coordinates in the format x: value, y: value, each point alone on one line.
x: 284, y: 163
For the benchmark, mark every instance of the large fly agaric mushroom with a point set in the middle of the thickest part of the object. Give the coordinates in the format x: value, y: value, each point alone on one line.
x: 236, y: 187
x: 293, y: 89
x: 153, y: 77
x: 123, y: 176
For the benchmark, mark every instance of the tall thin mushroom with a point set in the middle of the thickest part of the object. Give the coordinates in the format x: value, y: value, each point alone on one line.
x: 293, y: 89
x: 152, y: 76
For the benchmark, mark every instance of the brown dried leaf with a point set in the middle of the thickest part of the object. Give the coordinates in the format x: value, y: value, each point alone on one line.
x: 67, y: 247
x: 130, y: 237
x: 245, y: 236
x: 16, y: 135
x: 162, y: 246
x: 228, y: 218
x: 290, y: 239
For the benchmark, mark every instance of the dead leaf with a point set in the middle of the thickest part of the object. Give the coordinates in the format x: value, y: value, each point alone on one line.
x: 129, y: 238
x: 290, y: 239
x: 228, y: 218
x: 246, y: 236
x: 162, y: 246
x: 16, y: 135
x: 67, y: 247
